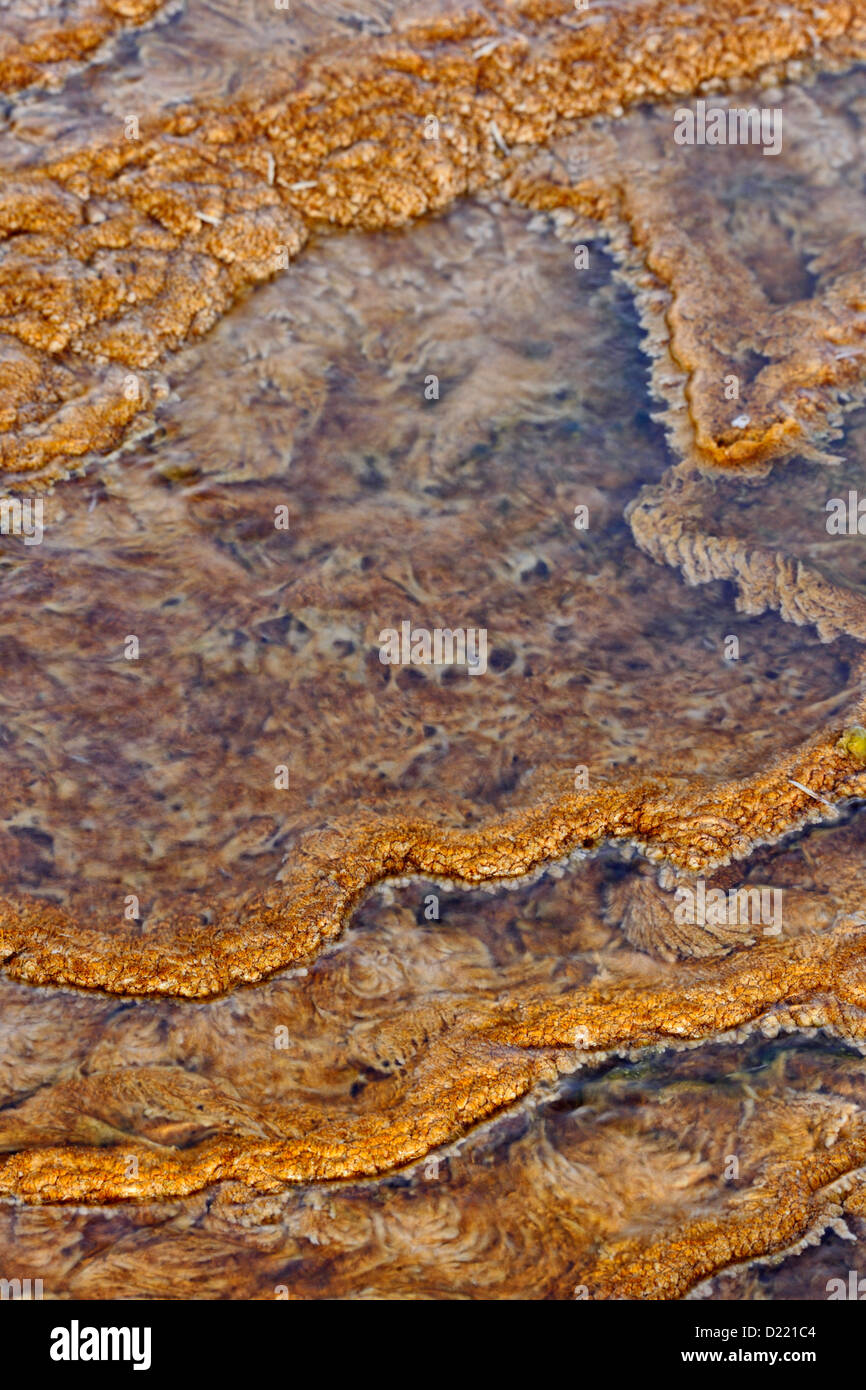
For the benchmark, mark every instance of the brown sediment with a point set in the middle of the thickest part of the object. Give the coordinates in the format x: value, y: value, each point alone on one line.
x: 696, y: 829
x: 644, y: 911
x: 123, y: 251
x: 227, y: 937
x: 32, y: 47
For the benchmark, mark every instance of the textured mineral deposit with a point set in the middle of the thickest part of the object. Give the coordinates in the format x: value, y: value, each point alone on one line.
x: 324, y: 976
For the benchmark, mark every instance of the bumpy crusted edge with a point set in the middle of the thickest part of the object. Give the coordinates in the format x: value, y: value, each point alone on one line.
x: 233, y: 187
x: 802, y: 1198
x: 75, y: 37
x: 774, y: 987
x: 695, y: 828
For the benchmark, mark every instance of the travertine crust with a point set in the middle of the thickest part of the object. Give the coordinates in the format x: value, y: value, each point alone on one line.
x: 117, y: 259
x: 115, y: 255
